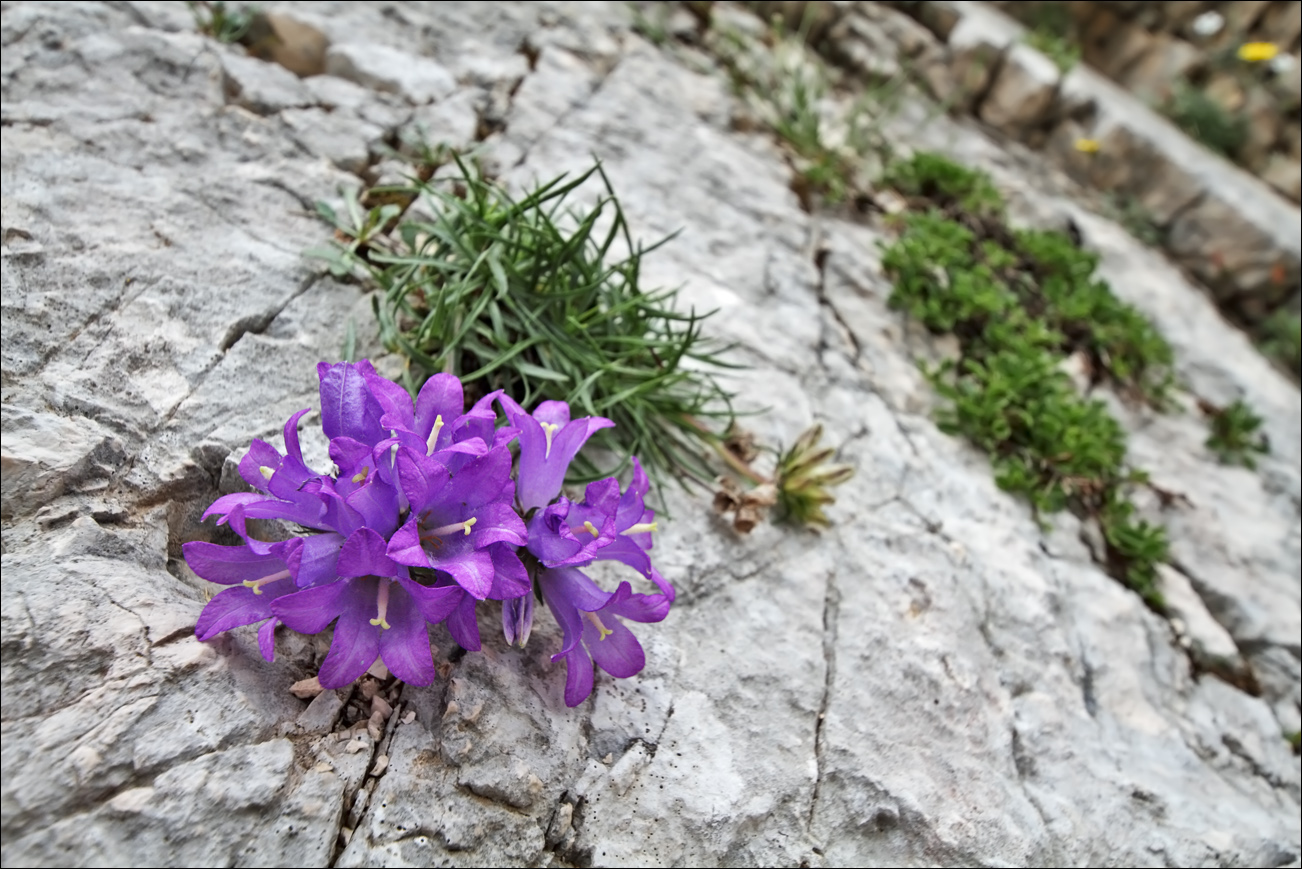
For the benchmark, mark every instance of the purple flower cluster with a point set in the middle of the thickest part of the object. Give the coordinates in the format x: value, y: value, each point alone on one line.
x: 423, y: 520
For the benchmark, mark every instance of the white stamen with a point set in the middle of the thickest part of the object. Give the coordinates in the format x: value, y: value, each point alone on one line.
x: 549, y: 431
x: 452, y: 529
x: 641, y: 528
x: 382, y: 606
x: 434, y: 434
x: 596, y: 623
x: 257, y: 584
x: 267, y: 473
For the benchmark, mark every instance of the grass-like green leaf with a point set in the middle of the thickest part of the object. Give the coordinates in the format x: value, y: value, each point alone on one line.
x: 542, y: 298
x: 1236, y: 434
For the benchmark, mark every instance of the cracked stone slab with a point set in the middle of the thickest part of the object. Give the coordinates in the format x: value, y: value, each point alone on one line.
x: 934, y: 680
x: 381, y: 68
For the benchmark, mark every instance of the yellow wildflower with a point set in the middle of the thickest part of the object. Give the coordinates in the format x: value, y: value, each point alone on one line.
x: 1087, y: 146
x: 1254, y: 52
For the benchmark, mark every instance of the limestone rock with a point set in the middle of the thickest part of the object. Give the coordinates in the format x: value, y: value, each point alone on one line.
x: 932, y: 681
x: 45, y: 455
x: 976, y: 46
x: 1207, y: 640
x: 299, y: 45
x: 419, y: 79
x: 1022, y: 92
x: 1165, y: 61
x: 262, y: 87
x: 1285, y: 175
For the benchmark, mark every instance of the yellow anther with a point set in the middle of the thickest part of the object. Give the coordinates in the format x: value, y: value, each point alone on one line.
x: 641, y: 528
x: 596, y: 623
x: 434, y: 434
x: 470, y: 523
x: 591, y: 529
x: 267, y: 473
x: 257, y: 584
x: 549, y: 431
x: 361, y: 475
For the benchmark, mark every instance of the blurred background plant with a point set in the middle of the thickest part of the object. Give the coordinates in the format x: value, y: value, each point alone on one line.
x: 223, y: 22
x: 1280, y: 339
x: 1027, y: 309
x: 832, y: 144
x: 1235, y: 433
x: 1205, y: 119
x: 1054, y: 34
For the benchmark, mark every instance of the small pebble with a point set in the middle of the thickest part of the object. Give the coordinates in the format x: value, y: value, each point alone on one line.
x: 305, y: 689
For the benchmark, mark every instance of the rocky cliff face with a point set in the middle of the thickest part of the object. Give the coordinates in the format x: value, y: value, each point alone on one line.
x: 934, y: 681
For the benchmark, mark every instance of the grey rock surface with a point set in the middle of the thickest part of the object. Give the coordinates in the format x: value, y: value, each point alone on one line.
x: 934, y: 681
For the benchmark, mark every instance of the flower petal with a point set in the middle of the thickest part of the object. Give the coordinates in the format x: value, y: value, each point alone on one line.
x: 348, y: 409
x: 472, y: 568
x: 639, y: 607
x: 239, y: 606
x: 307, y: 512
x: 364, y: 554
x: 356, y: 642
x: 226, y: 503
x: 421, y: 478
x: 567, y: 591
x: 405, y: 645
x: 498, y: 523
x: 317, y: 563
x: 510, y: 578
x: 377, y: 503
x: 436, y: 603
x: 632, y: 509
x: 504, y: 436
x: 624, y: 550
x: 480, y: 481
x: 517, y: 619
x: 230, y: 565
x: 350, y: 456
x: 440, y: 396
x: 337, y: 515
x: 310, y: 610
x: 544, y: 460
x: 293, y: 466
x: 475, y: 426
x: 578, y: 675
x: 555, y: 413
x: 395, y: 402
x: 405, y: 546
x: 463, y: 626
x: 267, y: 639
x: 260, y: 455
x: 618, y: 652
